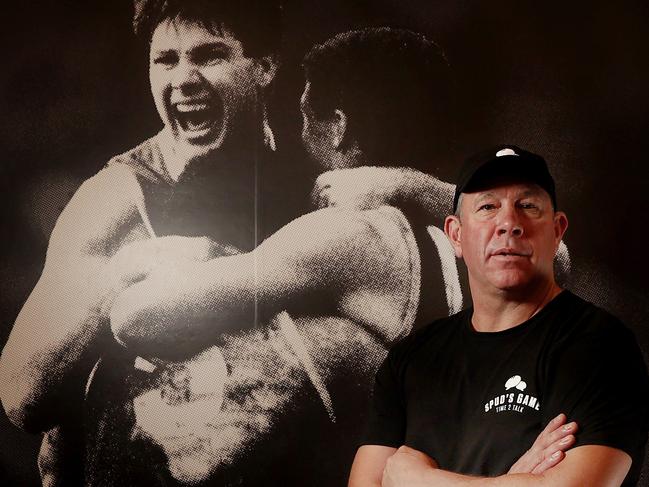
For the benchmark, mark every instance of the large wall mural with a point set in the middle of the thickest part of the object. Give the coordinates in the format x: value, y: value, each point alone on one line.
x: 217, y: 225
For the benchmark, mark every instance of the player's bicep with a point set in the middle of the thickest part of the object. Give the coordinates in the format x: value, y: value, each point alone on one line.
x: 100, y: 218
x: 368, y: 466
x: 321, y: 252
x: 355, y: 262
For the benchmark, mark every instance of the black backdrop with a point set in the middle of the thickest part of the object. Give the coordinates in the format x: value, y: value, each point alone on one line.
x: 565, y: 79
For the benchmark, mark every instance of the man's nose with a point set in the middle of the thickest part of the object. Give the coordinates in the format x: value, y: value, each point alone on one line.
x: 186, y: 76
x: 509, y: 222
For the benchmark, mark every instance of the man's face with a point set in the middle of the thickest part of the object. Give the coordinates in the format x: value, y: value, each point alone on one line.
x: 507, y: 235
x: 316, y: 135
x: 204, y: 88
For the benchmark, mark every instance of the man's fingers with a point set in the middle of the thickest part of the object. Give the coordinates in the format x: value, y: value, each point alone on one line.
x: 557, y: 422
x: 320, y: 199
x: 559, y: 433
x: 549, y: 462
x: 555, y: 430
x: 560, y: 445
x: 547, y: 450
x: 321, y: 185
x: 554, y: 453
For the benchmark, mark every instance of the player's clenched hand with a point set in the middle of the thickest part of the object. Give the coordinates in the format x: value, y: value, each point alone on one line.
x: 151, y: 312
x: 549, y: 447
x: 135, y: 261
x: 407, y: 468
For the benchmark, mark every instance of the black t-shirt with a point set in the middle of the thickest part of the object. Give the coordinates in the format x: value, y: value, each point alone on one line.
x: 475, y: 402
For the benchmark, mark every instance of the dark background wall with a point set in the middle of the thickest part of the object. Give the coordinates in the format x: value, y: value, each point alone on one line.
x: 565, y: 79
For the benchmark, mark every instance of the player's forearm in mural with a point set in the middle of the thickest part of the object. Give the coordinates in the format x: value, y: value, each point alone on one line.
x: 369, y: 187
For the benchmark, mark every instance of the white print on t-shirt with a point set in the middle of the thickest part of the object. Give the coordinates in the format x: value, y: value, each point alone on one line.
x: 517, y: 382
x: 512, y: 401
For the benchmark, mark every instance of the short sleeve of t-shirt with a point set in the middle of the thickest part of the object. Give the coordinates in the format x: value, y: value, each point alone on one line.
x: 598, y: 378
x: 386, y: 421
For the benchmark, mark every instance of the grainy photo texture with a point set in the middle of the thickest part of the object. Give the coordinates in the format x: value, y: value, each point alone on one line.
x: 220, y: 215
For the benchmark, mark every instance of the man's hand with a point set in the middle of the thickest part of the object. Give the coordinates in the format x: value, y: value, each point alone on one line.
x: 549, y: 447
x: 161, y: 267
x: 407, y: 465
x: 135, y: 261
x: 358, y: 188
x: 407, y: 468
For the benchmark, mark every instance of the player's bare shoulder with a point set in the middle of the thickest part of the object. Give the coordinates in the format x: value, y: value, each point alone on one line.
x: 103, y: 214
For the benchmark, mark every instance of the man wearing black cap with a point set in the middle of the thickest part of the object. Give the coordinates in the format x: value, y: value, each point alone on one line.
x: 468, y: 394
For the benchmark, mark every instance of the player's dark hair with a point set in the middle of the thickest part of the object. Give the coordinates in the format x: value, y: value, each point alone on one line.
x: 394, y: 86
x: 256, y: 23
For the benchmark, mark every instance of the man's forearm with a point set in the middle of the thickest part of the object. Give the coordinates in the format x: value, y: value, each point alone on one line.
x: 442, y: 478
x: 591, y: 465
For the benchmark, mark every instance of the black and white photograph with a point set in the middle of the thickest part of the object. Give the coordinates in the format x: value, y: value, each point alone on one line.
x: 299, y: 243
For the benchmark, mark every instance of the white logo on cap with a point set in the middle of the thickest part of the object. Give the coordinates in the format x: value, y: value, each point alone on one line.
x: 505, y: 152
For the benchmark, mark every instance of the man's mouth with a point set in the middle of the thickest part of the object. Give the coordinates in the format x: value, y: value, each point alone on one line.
x: 197, y: 118
x: 507, y: 252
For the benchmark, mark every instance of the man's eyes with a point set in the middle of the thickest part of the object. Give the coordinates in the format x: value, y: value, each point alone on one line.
x: 524, y: 205
x: 209, y: 56
x: 201, y: 57
x: 528, y: 205
x: 165, y: 59
x: 486, y: 207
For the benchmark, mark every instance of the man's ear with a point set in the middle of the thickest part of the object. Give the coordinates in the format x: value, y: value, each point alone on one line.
x: 338, y: 128
x: 266, y: 69
x: 453, y: 230
x: 560, y: 226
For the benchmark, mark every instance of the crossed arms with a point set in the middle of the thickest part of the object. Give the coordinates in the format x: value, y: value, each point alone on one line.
x: 546, y: 463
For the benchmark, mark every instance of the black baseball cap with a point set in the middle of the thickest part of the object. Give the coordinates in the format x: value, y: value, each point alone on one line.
x: 503, y: 161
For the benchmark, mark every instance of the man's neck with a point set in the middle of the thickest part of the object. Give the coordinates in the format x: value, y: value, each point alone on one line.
x: 501, y: 310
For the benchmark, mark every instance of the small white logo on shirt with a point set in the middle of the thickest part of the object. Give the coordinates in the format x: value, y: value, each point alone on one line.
x: 512, y: 401
x: 517, y: 382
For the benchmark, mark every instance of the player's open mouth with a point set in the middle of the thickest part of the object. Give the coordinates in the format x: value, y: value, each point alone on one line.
x: 197, y: 119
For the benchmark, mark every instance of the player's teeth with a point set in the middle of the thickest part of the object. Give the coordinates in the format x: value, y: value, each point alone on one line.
x: 190, y: 108
x: 192, y: 125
